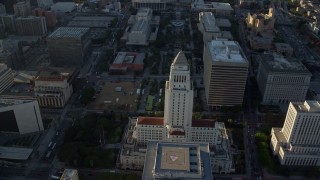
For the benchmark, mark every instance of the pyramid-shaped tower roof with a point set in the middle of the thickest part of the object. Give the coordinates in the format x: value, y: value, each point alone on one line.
x: 180, y: 59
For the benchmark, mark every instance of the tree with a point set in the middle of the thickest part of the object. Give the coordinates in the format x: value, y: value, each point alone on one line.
x: 87, y: 95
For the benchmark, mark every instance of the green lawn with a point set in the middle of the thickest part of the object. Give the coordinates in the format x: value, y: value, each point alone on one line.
x: 149, y: 105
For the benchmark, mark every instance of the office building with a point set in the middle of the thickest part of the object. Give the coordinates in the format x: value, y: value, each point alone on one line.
x: 69, y: 46
x: 127, y: 61
x: 31, y: 26
x: 20, y: 115
x: 225, y: 73
x: 22, y: 8
x: 297, y: 143
x: 53, y: 86
x: 141, y: 27
x: 217, y: 8
x: 281, y: 79
x: 158, y: 5
x: 11, y: 53
x: 6, y: 77
x: 45, y: 4
x: 2, y: 9
x: 63, y: 7
x: 70, y: 174
x: 176, y: 126
x: 283, y: 48
x: 165, y: 160
x: 50, y: 16
x: 210, y: 29
x: 9, y: 22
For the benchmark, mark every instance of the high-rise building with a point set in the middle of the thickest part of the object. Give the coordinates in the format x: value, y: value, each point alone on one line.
x: 178, y: 103
x: 69, y: 46
x: 33, y: 26
x: 225, y: 73
x: 6, y: 77
x: 22, y: 8
x: 50, y: 16
x: 20, y: 115
x: 261, y: 22
x: 45, y: 4
x: 297, y: 143
x: 281, y: 79
x: 9, y: 22
x: 177, y: 125
x: 2, y: 9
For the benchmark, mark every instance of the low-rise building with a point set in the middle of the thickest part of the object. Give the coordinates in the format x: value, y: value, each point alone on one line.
x: 261, y: 41
x: 143, y: 28
x: 70, y: 174
x: 283, y: 48
x: 63, y: 7
x: 20, y: 115
x: 165, y: 160
x: 127, y: 61
x: 53, y: 88
x: 6, y: 77
x: 208, y: 25
x: 297, y: 143
x: 218, y: 8
x: 91, y: 21
x: 281, y: 79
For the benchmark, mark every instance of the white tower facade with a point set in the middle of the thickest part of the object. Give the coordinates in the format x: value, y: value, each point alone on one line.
x: 298, y: 142
x: 179, y: 101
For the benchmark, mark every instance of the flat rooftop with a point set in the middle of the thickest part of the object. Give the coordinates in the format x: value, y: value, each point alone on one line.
x: 69, y: 174
x: 226, y: 51
x: 209, y: 22
x: 19, y: 90
x: 170, y: 160
x: 141, y: 27
x: 13, y: 153
x: 69, y: 32
x: 278, y: 63
x: 91, y: 21
x: 7, y: 100
x: 307, y: 106
x: 129, y: 57
x: 55, y: 74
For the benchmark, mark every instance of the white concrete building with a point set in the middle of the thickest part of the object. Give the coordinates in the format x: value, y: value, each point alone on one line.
x: 218, y: 8
x: 297, y: 143
x: 20, y: 115
x: 52, y: 87
x: 225, y: 73
x: 139, y: 31
x: 281, y: 79
x: 6, y: 77
x: 176, y: 125
x: 166, y: 160
x: 210, y: 29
